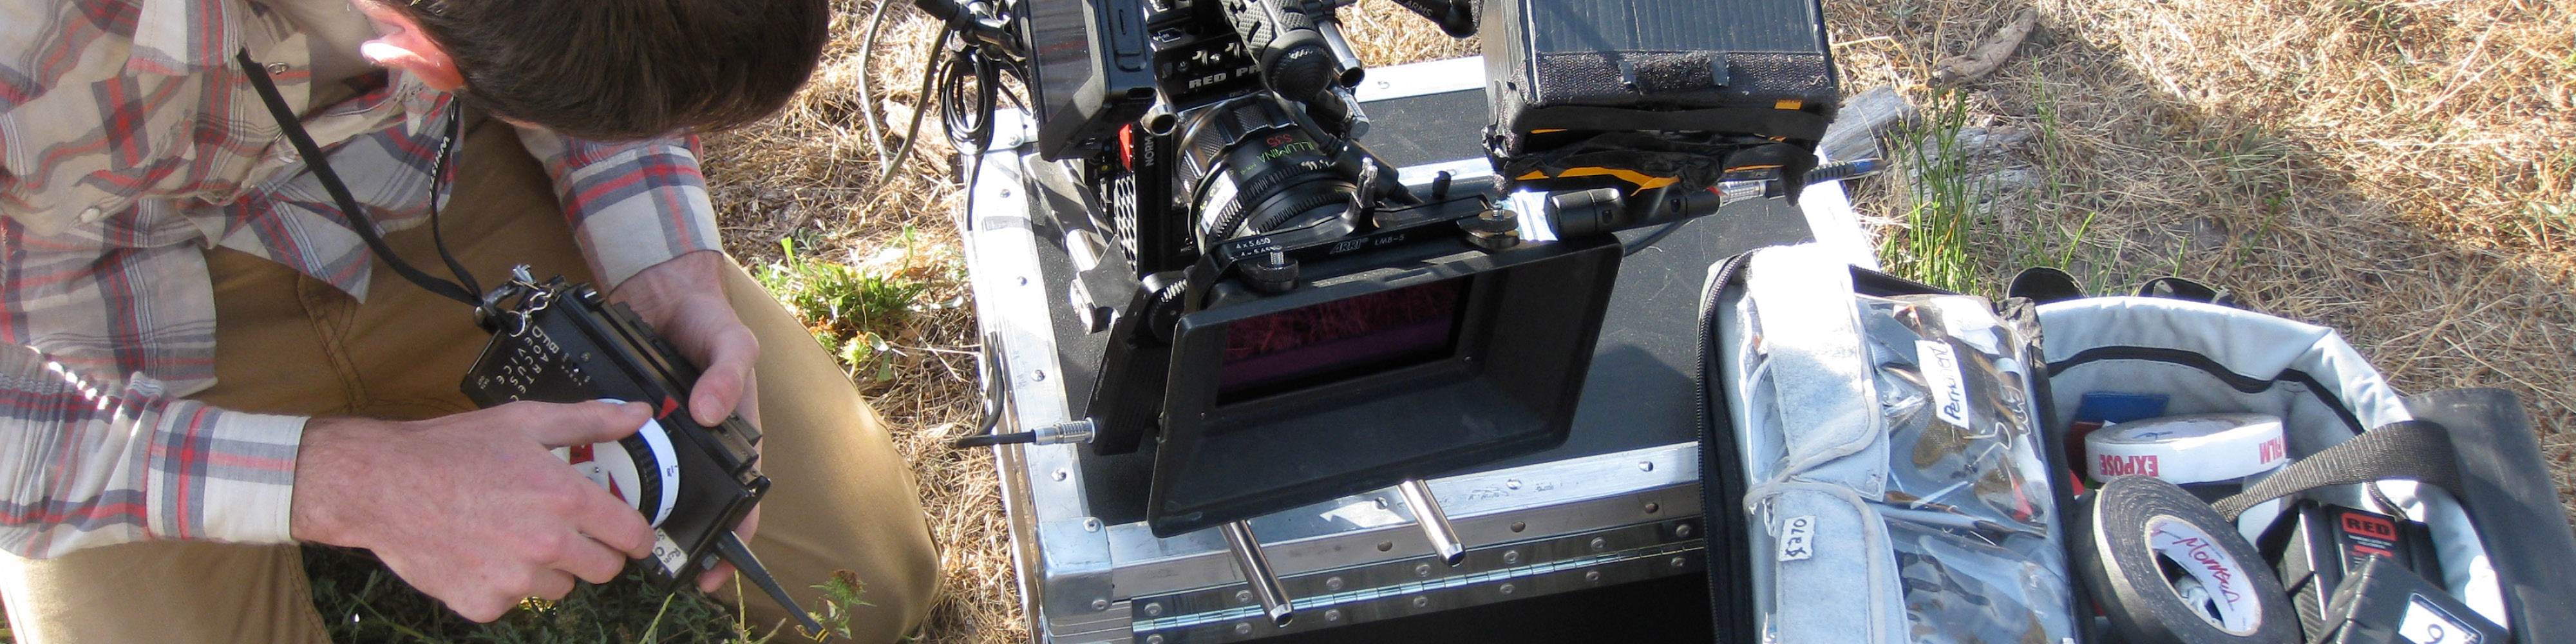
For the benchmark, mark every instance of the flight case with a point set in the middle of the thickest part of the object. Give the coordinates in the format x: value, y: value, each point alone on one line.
x: 1617, y: 504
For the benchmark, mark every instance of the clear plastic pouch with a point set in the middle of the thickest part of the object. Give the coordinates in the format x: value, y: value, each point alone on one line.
x: 1895, y: 464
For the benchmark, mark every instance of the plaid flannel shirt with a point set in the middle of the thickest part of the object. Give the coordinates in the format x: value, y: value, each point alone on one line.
x: 129, y: 144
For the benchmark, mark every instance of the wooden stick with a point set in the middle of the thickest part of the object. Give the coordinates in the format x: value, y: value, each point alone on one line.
x: 1989, y: 53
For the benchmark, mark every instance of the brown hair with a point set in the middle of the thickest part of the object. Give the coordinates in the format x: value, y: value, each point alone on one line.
x: 628, y: 69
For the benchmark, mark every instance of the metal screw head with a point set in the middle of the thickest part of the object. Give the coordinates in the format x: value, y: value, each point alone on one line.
x: 1154, y: 639
x: 1384, y: 546
x: 1679, y: 562
x: 1333, y: 615
x: 1006, y: 193
x: 1511, y: 556
x: 1518, y: 526
x: 1599, y: 543
x: 1592, y: 575
x: 1652, y: 508
x: 1645, y: 466
x: 1243, y: 628
x: 1243, y: 597
x: 1507, y: 589
x: 1334, y: 583
x: 1511, y: 484
x: 1038, y: 375
x: 1421, y: 602
x: 1154, y: 609
x: 1090, y: 524
x: 1683, y: 530
x: 1422, y: 570
x: 1100, y: 604
x: 1381, y: 502
x: 1062, y: 475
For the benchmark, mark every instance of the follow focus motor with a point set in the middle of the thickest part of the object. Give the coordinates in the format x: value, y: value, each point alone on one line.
x: 1285, y: 318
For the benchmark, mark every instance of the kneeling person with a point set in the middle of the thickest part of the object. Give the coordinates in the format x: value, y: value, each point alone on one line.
x: 205, y: 365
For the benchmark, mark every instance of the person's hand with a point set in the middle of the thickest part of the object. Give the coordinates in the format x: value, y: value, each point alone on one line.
x: 473, y: 508
x: 684, y: 300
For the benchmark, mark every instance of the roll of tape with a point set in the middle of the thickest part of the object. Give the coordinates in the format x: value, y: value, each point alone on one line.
x: 2139, y: 526
x: 2183, y: 450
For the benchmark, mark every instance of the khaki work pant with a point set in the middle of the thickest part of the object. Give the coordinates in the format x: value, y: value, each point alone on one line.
x: 842, y: 497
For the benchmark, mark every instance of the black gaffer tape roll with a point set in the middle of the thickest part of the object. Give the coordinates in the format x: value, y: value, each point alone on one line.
x: 2169, y: 570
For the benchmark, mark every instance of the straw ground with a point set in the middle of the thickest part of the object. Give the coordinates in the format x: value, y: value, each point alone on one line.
x: 2390, y: 168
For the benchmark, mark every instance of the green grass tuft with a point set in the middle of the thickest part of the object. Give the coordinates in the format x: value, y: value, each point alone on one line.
x: 852, y: 312
x: 1940, y: 194
x: 361, y: 601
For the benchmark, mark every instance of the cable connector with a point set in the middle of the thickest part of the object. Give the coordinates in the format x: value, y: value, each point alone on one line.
x: 1079, y: 431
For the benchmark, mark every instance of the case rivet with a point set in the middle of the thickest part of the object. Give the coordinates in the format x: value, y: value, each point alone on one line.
x: 1599, y: 543
x: 1422, y: 570
x: 1507, y: 589
x: 1511, y: 556
x: 1154, y: 610
x: 1592, y: 575
x: 1100, y: 604
x: 1334, y: 583
x: 1646, y: 466
x: 1243, y: 597
x: 1333, y: 615
x: 1679, y: 562
x: 1652, y: 508
x: 1421, y: 602
x: 1243, y: 628
x: 1683, y: 531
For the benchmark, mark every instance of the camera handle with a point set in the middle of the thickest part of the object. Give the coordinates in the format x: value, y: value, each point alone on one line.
x: 1257, y: 573
x: 1434, y: 521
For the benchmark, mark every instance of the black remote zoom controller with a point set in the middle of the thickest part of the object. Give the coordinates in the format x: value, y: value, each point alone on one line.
x: 560, y: 342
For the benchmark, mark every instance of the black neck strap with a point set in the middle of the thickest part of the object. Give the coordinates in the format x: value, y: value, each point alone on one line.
x: 320, y: 166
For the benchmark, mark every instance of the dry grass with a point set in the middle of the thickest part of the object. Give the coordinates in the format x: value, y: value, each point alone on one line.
x: 2391, y: 168
x: 810, y: 176
x: 2394, y: 169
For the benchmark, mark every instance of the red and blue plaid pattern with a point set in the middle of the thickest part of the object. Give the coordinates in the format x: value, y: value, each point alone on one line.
x: 128, y: 145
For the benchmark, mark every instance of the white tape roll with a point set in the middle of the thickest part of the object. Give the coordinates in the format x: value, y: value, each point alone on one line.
x: 2183, y: 450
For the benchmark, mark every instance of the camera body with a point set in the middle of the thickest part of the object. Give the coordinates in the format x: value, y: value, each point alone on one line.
x: 1286, y: 321
x: 561, y: 342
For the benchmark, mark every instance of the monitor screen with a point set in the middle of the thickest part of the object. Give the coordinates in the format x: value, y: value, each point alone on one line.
x: 1340, y: 340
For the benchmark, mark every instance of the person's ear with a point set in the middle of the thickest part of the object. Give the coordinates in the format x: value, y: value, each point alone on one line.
x: 402, y: 44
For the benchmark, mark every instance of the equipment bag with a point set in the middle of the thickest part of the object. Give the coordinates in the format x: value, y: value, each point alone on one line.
x: 1944, y: 506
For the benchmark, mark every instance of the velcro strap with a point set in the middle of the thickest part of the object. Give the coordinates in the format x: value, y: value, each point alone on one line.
x: 2411, y: 450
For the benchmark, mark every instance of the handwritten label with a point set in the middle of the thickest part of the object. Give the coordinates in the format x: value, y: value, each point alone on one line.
x: 1797, y: 538
x: 1949, y: 391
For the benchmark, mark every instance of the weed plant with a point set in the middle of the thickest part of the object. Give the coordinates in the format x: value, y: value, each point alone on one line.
x: 851, y: 311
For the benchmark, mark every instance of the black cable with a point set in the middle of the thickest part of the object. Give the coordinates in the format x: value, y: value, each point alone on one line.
x: 320, y: 166
x: 437, y: 175
x: 989, y: 440
x: 928, y: 76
